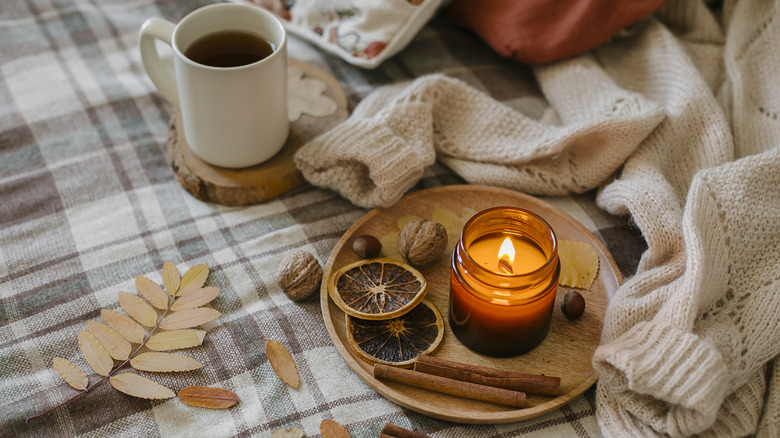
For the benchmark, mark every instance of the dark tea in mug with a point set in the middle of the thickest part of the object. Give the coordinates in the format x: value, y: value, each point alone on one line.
x: 229, y: 48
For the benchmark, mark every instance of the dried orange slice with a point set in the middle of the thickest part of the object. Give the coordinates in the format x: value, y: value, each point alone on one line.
x: 377, y: 288
x: 400, y: 340
x: 579, y: 264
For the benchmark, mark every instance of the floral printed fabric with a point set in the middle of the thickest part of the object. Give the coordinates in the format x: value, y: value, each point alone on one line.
x: 362, y: 32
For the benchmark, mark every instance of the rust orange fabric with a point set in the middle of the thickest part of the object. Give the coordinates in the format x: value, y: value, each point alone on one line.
x: 538, y: 31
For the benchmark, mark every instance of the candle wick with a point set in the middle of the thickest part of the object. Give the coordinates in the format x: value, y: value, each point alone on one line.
x: 504, y: 265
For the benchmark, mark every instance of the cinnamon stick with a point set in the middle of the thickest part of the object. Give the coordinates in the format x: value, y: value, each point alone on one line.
x: 528, y: 383
x: 450, y: 386
x: 394, y: 431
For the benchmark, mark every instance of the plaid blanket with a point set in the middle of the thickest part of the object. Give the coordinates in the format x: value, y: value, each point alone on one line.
x: 89, y: 202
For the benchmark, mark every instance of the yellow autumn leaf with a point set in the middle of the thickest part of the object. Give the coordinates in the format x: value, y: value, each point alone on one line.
x: 153, y: 293
x: 171, y: 278
x: 70, y: 373
x: 139, y: 386
x: 175, y: 339
x: 449, y: 220
x: 97, y: 357
x: 189, y: 318
x: 116, y: 345
x: 131, y: 330
x: 390, y: 247
x: 579, y: 264
x: 282, y: 362
x: 138, y: 309
x: 453, y: 223
x: 195, y: 298
x: 403, y: 220
x: 164, y: 362
x: 193, y: 279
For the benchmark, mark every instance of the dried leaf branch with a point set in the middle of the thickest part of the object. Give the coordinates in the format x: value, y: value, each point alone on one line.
x: 170, y: 313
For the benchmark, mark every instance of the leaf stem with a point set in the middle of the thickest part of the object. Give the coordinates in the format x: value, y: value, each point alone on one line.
x: 27, y: 420
x: 113, y: 371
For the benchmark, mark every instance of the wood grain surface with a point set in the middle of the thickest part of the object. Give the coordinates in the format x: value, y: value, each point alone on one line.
x: 566, y: 352
x: 264, y: 181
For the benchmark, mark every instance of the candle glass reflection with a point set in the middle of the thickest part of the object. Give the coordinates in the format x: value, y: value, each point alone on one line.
x: 501, y: 304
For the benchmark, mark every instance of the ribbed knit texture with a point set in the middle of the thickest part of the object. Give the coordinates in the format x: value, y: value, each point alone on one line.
x: 686, y: 105
x: 481, y: 139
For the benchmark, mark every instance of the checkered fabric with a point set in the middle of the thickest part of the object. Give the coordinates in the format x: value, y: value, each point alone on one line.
x: 88, y: 201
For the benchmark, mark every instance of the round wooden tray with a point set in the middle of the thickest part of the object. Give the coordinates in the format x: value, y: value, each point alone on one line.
x: 566, y: 352
x: 252, y: 185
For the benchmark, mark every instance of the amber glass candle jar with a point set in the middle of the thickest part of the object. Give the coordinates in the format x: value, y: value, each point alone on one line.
x: 501, y: 303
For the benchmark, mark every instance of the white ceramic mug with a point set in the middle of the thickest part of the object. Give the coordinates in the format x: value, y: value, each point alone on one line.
x: 231, y: 116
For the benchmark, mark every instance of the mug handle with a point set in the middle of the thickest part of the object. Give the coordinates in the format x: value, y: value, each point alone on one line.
x: 159, y: 72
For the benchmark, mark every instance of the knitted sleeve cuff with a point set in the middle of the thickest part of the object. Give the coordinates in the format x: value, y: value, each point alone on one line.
x: 668, y: 365
x: 363, y: 161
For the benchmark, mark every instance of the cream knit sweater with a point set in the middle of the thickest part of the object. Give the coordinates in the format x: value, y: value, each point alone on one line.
x: 688, y: 102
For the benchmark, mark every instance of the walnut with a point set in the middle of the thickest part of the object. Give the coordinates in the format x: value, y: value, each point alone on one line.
x: 299, y: 275
x: 422, y: 241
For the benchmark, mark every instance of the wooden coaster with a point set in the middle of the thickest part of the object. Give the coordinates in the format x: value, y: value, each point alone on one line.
x: 252, y: 185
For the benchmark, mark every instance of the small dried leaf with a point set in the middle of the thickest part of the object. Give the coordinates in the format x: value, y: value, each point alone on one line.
x: 189, y: 318
x: 454, y: 225
x: 194, y: 278
x: 153, y: 293
x: 579, y: 264
x: 171, y: 278
x: 390, y: 241
x: 331, y: 429
x: 164, y: 362
x: 131, y: 330
x: 282, y: 362
x: 112, y: 341
x: 138, y: 309
x: 70, y: 373
x: 390, y: 247
x: 176, y: 339
x: 293, y: 432
x: 195, y: 298
x: 405, y: 219
x: 139, y: 386
x: 207, y: 397
x: 97, y: 357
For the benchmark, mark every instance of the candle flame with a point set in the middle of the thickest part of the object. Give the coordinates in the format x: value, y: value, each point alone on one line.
x: 506, y: 256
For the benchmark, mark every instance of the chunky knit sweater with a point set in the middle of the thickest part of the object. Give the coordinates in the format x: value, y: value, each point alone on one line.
x: 685, y: 107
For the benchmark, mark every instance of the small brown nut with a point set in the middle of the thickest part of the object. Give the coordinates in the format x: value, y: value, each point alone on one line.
x: 422, y: 241
x: 367, y: 246
x: 299, y: 275
x: 573, y: 305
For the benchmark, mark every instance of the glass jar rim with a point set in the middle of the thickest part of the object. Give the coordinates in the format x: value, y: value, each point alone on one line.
x: 551, y: 257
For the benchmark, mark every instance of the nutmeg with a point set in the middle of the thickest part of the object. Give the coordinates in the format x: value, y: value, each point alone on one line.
x: 573, y: 304
x: 299, y: 274
x: 422, y: 241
